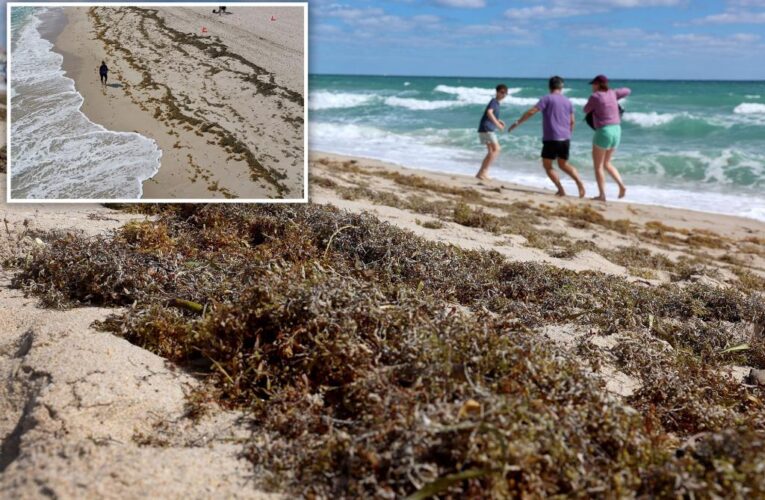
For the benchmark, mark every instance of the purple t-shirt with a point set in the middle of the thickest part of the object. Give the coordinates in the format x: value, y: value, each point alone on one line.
x: 556, y: 117
x: 604, y: 106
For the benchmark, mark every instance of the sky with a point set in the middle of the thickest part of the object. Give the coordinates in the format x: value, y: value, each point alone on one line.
x: 652, y: 39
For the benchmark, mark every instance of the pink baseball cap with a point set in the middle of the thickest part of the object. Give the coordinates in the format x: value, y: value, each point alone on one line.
x: 599, y: 79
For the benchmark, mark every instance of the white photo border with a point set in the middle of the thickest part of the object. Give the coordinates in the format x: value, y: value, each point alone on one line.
x: 9, y: 72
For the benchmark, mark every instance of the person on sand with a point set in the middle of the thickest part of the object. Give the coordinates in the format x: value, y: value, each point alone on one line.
x: 557, y: 126
x: 490, y: 122
x: 604, y: 106
x: 103, y: 71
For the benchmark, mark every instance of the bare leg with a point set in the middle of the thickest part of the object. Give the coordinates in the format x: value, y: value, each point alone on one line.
x: 598, y: 162
x: 492, y: 150
x: 614, y: 173
x: 571, y: 171
x: 548, y: 165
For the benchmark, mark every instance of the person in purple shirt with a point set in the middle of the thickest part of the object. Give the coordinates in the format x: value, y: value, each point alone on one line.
x: 604, y: 106
x: 557, y: 127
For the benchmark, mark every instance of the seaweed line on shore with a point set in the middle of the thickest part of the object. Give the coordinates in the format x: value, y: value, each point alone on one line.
x: 173, y: 107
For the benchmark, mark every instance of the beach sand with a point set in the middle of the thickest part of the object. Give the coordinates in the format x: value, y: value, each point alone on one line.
x: 85, y: 414
x: 571, y: 233
x: 226, y: 107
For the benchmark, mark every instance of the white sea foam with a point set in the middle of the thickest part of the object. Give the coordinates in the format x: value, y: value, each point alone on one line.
x: 323, y: 99
x: 479, y: 95
x: 469, y: 95
x: 579, y: 101
x: 406, y: 84
x: 652, y: 119
x: 520, y: 101
x: 420, y: 104
x: 57, y: 152
x: 752, y: 96
x: 750, y: 108
x: 429, y: 149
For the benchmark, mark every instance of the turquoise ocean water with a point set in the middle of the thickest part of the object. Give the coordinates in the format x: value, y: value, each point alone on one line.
x: 688, y: 144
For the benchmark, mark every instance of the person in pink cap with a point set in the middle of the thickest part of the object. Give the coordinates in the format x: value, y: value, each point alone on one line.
x: 604, y: 106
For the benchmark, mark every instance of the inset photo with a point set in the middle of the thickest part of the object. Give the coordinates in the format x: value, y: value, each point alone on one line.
x: 173, y: 102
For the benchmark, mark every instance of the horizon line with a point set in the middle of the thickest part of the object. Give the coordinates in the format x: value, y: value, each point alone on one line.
x: 742, y: 80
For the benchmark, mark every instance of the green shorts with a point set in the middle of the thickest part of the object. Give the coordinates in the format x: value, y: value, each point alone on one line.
x: 608, y: 137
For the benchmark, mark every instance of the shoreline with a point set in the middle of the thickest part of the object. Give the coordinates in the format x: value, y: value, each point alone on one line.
x: 43, y: 28
x: 734, y: 225
x: 72, y: 66
x: 568, y: 184
x: 649, y: 244
x: 196, y: 161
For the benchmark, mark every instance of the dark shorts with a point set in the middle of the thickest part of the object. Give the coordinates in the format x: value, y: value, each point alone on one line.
x: 555, y: 149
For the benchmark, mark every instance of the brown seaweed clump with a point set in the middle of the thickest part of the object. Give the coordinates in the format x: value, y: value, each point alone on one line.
x: 380, y: 364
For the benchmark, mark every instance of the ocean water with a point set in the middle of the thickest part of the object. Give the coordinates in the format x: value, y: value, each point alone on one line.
x: 56, y: 151
x: 695, y: 145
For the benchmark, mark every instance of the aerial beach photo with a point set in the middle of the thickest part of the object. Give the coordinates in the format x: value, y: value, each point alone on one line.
x: 531, y: 265
x: 191, y: 104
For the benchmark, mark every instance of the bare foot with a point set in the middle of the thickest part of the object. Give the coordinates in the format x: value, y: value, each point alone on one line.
x: 581, y: 190
x: 560, y: 193
x: 599, y: 198
x: 622, y: 191
x: 483, y: 177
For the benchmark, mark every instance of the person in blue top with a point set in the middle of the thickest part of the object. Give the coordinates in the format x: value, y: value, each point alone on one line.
x: 103, y: 71
x: 490, y: 122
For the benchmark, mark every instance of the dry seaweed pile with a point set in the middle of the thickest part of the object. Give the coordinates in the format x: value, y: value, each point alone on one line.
x: 469, y: 207
x: 380, y: 364
x: 3, y: 159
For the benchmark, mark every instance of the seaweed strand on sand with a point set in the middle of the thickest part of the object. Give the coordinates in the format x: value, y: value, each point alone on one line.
x: 169, y: 108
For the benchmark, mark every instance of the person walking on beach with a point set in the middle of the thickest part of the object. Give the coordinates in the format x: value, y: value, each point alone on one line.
x: 490, y: 122
x: 604, y: 106
x: 557, y: 126
x: 103, y: 71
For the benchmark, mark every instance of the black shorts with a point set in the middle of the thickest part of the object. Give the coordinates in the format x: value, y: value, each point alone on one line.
x: 555, y: 149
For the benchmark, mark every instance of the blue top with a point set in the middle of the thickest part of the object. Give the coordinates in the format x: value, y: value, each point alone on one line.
x: 486, y: 124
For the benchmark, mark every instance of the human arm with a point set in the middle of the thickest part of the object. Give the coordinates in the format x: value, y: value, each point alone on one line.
x: 590, y: 106
x: 622, y: 93
x: 528, y: 114
x: 573, y: 122
x: 499, y: 123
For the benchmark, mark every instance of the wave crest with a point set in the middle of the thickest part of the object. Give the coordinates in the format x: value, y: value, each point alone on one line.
x: 419, y: 104
x: 480, y: 95
x: 652, y: 119
x: 323, y: 99
x: 750, y: 108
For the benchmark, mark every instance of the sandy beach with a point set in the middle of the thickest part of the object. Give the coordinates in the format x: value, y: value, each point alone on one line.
x: 566, y: 232
x: 117, y: 422
x: 82, y: 412
x: 225, y: 106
